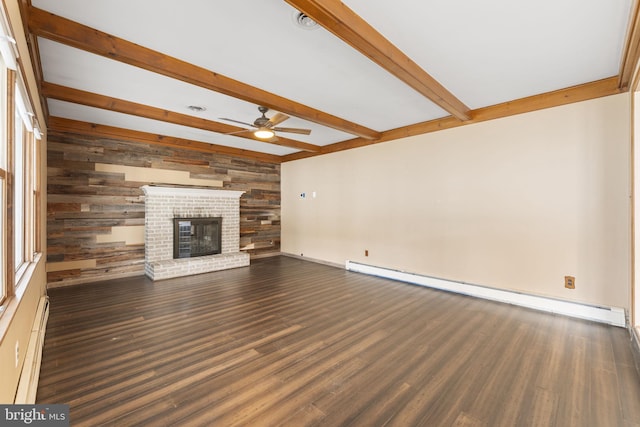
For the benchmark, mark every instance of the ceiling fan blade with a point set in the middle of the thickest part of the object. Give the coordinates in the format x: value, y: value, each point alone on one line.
x: 239, y: 131
x: 237, y: 121
x: 293, y: 130
x: 276, y: 119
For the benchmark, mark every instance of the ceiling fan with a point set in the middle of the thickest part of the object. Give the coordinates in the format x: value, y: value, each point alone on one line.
x: 265, y: 128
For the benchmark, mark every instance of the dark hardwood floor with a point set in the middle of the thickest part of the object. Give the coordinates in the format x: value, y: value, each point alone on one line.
x: 289, y: 342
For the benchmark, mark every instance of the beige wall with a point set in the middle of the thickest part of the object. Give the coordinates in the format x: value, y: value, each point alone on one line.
x: 17, y: 320
x: 515, y: 203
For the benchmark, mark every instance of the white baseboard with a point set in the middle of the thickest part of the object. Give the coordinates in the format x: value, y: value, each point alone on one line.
x: 610, y: 315
x: 28, y: 384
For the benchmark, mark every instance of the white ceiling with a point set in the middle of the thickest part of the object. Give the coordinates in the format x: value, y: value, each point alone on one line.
x: 484, y: 52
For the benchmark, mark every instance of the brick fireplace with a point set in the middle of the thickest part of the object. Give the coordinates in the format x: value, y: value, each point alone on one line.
x: 163, y: 204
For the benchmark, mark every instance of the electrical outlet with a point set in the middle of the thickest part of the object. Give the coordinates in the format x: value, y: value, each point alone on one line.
x: 366, y: 252
x: 569, y: 282
x: 17, y: 353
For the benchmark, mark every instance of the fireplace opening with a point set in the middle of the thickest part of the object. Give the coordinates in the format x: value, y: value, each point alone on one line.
x: 194, y: 237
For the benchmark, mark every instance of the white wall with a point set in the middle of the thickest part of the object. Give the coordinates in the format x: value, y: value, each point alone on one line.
x: 515, y: 203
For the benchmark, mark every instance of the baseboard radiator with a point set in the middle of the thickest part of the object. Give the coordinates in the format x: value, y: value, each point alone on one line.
x: 28, y: 385
x: 610, y: 315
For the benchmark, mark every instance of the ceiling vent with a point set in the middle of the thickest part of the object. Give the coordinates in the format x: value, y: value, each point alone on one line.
x: 304, y: 21
x: 196, y: 108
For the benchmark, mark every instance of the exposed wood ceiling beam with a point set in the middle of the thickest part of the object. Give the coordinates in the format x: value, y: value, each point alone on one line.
x: 58, y: 124
x: 556, y: 98
x: 62, y: 93
x: 351, y: 28
x: 631, y: 53
x: 62, y: 30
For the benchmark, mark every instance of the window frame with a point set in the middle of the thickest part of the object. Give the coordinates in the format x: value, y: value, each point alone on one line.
x: 16, y: 110
x: 7, y: 203
x: 4, y: 177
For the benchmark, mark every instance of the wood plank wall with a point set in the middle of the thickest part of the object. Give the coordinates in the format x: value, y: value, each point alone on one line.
x: 95, y: 213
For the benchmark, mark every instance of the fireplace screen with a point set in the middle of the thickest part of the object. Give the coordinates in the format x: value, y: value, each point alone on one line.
x: 193, y: 237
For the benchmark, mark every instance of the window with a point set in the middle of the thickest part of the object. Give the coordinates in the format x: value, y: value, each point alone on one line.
x: 35, y: 189
x: 3, y: 175
x: 23, y: 179
x: 19, y: 172
x: 18, y: 192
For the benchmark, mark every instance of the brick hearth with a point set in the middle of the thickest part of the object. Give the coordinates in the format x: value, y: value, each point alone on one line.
x: 163, y: 204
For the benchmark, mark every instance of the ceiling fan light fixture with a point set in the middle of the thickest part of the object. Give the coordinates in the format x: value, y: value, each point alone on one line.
x: 264, y: 133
